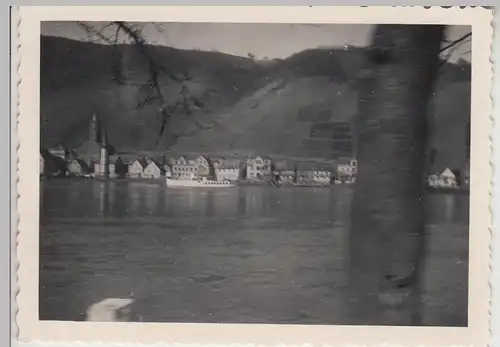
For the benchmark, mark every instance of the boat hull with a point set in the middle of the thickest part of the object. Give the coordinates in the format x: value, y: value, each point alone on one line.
x: 197, y: 184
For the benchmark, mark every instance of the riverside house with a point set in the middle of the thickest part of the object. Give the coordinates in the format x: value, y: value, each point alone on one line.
x: 446, y: 179
x: 285, y: 171
x: 136, y: 168
x: 78, y: 167
x: 117, y: 167
x: 184, y: 170
x: 259, y: 168
x: 227, y: 169
x: 347, y: 167
x: 450, y: 178
x: 202, y: 166
x: 314, y: 173
x: 183, y: 165
x: 323, y: 174
x: 153, y: 170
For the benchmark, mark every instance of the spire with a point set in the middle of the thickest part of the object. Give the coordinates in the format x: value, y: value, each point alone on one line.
x: 104, y: 139
x: 95, y: 129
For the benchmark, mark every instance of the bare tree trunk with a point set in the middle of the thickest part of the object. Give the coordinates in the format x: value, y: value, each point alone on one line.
x: 387, y: 215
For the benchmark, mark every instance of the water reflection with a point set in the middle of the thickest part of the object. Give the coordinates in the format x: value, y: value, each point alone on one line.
x: 100, y: 191
x: 136, y: 195
x: 111, y: 190
x: 449, y: 202
x: 140, y: 199
x: 243, y: 254
x: 152, y: 193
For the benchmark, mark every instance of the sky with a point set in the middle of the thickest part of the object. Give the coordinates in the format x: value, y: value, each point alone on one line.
x: 262, y: 40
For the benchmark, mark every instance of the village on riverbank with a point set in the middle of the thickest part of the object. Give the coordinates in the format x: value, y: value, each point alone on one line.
x: 60, y: 162
x: 96, y: 159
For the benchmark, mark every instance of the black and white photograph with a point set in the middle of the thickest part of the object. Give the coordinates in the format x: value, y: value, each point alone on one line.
x: 311, y: 174
x: 224, y: 175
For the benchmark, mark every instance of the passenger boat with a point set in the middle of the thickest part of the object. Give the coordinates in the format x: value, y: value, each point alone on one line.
x: 202, y: 182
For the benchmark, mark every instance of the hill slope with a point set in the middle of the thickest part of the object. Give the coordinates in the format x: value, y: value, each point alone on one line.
x: 284, y: 107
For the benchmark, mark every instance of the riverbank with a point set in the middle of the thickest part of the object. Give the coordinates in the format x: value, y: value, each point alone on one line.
x: 242, y: 183
x: 445, y: 190
x: 106, y: 179
x: 245, y: 183
x: 285, y: 185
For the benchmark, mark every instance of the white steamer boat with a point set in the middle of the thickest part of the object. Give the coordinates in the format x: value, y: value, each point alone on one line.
x: 203, y: 182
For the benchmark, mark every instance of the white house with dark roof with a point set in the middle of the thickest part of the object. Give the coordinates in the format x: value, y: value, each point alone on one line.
x: 78, y: 167
x: 136, y: 168
x: 202, y: 166
x: 227, y: 170
x: 446, y: 179
x: 183, y: 165
x: 258, y: 168
x: 153, y: 170
x: 185, y: 171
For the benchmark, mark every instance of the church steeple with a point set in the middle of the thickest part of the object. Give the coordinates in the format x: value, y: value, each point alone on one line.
x: 103, y: 167
x: 104, y: 139
x: 95, y: 129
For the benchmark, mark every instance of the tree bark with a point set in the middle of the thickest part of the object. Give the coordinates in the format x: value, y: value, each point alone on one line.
x: 387, y: 214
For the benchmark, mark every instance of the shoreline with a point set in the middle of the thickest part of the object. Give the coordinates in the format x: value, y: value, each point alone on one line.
x: 443, y: 190
x: 245, y: 183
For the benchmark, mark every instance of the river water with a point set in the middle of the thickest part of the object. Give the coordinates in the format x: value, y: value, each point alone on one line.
x: 244, y: 254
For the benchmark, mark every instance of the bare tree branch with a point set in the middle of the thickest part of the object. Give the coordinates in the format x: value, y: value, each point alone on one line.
x: 449, y: 53
x: 452, y: 47
x: 154, y: 91
x: 94, y: 32
x: 456, y: 42
x: 117, y: 66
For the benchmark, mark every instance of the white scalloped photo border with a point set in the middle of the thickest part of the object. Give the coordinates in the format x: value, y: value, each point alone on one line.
x: 31, y: 329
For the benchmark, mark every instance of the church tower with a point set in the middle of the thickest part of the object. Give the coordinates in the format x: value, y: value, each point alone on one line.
x: 104, y: 156
x: 94, y: 129
x: 98, y: 143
